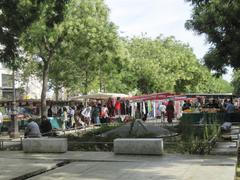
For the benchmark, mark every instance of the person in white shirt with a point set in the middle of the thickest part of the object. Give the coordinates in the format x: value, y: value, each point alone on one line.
x: 87, y: 113
x: 163, y: 111
x: 104, y: 114
x: 64, y: 118
x: 71, y: 116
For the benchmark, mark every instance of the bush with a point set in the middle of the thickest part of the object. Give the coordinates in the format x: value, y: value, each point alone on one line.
x: 194, y: 138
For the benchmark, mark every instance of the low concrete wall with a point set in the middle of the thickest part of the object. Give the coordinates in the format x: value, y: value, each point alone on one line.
x: 45, y: 145
x: 151, y: 146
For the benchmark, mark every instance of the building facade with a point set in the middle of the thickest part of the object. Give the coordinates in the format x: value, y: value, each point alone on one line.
x: 24, y: 90
x: 6, y: 83
x: 28, y: 89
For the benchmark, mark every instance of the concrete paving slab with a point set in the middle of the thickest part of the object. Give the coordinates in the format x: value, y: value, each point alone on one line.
x: 13, y: 168
x: 106, y: 166
x: 165, y: 169
x: 108, y: 156
x: 72, y: 155
x: 227, y: 144
x: 225, y: 148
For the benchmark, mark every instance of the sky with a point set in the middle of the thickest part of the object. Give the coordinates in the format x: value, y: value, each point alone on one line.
x: 157, y: 17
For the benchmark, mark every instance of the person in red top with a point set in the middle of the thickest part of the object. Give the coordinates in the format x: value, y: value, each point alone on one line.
x: 117, y: 107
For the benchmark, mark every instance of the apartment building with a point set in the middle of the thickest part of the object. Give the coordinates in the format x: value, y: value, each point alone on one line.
x: 30, y: 89
x: 24, y: 90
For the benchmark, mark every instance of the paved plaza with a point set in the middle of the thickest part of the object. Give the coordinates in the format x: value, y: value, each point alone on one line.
x: 107, y: 166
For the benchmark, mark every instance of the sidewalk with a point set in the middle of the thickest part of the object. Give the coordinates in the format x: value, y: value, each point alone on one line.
x: 107, y: 166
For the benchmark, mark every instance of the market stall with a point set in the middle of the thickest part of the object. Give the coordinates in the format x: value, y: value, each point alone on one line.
x: 212, y: 108
x: 150, y: 105
x: 27, y: 110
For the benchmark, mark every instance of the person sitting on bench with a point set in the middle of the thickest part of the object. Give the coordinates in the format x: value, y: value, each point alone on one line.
x: 32, y: 130
x: 46, y: 127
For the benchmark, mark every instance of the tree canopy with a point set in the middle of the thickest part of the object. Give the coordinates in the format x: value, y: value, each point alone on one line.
x: 15, y: 17
x: 73, y: 44
x: 165, y: 64
x: 92, y: 50
x: 219, y: 21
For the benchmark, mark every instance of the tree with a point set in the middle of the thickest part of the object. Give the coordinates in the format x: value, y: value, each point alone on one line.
x: 145, y: 70
x: 63, y: 74
x: 114, y: 69
x: 15, y: 17
x: 164, y: 64
x: 44, y: 38
x: 95, y: 50
x: 70, y: 37
x: 218, y: 20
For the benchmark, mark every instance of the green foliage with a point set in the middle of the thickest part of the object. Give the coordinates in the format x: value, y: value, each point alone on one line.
x: 45, y: 35
x: 164, y: 64
x: 195, y: 138
x: 236, y: 82
x: 15, y: 17
x: 81, y: 51
x: 92, y: 48
x: 74, y: 48
x: 218, y: 20
x: 43, y: 38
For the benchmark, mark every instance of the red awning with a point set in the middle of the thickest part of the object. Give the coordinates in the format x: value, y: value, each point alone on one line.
x: 159, y: 96
x: 155, y: 96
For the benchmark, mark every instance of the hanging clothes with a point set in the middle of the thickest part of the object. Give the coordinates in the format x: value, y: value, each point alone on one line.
x: 178, y: 109
x: 145, y: 111
x: 143, y: 108
x: 149, y: 106
x: 128, y: 108
x: 158, y: 110
x: 146, y: 107
x: 154, y: 109
x: 133, y: 109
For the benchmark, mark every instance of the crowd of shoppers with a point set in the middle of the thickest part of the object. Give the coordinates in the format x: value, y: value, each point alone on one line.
x: 94, y: 112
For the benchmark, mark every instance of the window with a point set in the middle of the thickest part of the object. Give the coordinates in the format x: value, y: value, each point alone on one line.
x: 6, y: 80
x: 6, y: 95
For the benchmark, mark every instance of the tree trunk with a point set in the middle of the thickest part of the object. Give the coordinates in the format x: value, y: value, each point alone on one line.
x: 57, y: 92
x: 46, y: 64
x: 104, y: 86
x: 100, y: 79
x: 86, y: 82
x: 44, y: 89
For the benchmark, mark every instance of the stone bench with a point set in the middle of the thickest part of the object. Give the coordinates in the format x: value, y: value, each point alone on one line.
x: 150, y: 146
x: 45, y: 145
x: 2, y: 140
